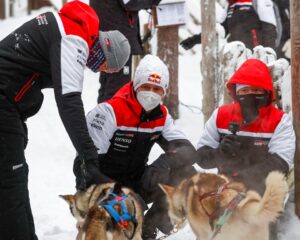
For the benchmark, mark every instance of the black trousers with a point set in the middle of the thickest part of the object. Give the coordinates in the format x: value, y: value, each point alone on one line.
x: 112, y: 82
x: 16, y: 221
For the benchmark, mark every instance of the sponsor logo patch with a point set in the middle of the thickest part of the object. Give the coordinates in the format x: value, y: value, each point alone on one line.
x: 155, y: 78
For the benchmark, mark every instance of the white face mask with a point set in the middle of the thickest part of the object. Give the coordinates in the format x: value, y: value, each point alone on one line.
x: 149, y: 100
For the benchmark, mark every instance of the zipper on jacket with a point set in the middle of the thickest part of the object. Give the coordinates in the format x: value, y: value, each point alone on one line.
x: 26, y: 87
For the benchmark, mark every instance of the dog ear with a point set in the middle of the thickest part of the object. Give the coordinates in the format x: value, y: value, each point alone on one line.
x: 70, y: 199
x: 168, y: 190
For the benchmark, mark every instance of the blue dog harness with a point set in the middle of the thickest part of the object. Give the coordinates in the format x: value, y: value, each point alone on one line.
x: 122, y: 218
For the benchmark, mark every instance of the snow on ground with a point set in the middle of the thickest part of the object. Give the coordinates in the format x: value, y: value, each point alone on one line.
x: 50, y: 153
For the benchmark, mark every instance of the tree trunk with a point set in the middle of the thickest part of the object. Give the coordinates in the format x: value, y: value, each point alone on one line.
x: 2, y: 9
x: 209, y: 57
x: 167, y: 50
x: 36, y: 4
x: 295, y: 41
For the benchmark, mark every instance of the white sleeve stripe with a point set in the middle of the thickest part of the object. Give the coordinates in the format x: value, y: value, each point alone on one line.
x: 210, y: 136
x: 283, y: 141
x: 60, y: 24
x: 145, y: 130
x: 246, y: 134
x: 101, y: 122
x: 74, y: 51
x: 241, y: 4
x: 171, y: 131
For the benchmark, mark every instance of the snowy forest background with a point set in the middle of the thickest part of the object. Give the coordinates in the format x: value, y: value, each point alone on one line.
x: 50, y: 153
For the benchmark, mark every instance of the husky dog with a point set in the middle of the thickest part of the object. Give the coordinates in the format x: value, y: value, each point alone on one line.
x: 204, y: 198
x: 94, y: 222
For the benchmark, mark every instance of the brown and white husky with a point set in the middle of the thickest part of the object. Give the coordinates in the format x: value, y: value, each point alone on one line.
x: 204, y: 197
x: 93, y: 220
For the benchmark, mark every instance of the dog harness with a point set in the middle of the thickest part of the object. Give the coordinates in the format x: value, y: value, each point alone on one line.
x: 221, y: 214
x: 122, y: 219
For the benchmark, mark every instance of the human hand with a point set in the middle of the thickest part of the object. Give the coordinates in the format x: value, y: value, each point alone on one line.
x: 156, y: 2
x: 189, y: 42
x: 157, y: 172
x: 88, y: 173
x: 230, y: 145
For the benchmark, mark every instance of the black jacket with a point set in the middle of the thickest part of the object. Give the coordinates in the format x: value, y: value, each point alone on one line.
x: 124, y: 135
x: 116, y: 15
x: 244, y: 24
x: 50, y: 51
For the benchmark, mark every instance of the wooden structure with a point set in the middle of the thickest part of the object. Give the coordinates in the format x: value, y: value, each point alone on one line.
x: 209, y: 57
x: 168, y: 16
x: 167, y: 51
x: 295, y: 62
x: 36, y: 4
x: 2, y: 9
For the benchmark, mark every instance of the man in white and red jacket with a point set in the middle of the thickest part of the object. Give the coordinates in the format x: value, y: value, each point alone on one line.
x: 124, y: 130
x: 248, y: 138
x: 49, y: 51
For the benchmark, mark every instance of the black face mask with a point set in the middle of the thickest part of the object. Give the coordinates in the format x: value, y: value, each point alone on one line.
x: 250, y: 105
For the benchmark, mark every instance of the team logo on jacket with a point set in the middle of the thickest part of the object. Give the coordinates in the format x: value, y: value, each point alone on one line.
x: 155, y: 78
x: 260, y: 142
x: 42, y: 20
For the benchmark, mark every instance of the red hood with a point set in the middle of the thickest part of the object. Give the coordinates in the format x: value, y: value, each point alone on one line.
x: 84, y: 16
x: 252, y: 72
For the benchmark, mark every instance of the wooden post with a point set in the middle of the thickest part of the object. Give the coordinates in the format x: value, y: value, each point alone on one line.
x: 36, y: 4
x: 11, y: 8
x: 2, y: 9
x: 209, y: 57
x: 167, y: 51
x: 295, y: 44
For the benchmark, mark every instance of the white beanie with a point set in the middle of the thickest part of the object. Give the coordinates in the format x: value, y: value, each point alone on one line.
x: 240, y: 86
x: 151, y: 70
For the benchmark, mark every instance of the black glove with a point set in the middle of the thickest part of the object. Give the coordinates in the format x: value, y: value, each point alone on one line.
x: 188, y: 43
x: 156, y: 2
x: 87, y: 173
x: 230, y: 145
x: 157, y: 172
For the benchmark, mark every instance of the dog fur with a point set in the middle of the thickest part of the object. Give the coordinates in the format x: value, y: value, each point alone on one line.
x: 251, y: 218
x: 94, y: 222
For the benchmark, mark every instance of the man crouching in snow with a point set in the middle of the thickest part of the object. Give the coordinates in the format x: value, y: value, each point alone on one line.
x: 248, y: 138
x: 49, y: 51
x: 125, y: 128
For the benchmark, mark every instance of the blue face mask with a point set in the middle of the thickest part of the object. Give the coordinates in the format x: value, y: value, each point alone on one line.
x: 96, y: 57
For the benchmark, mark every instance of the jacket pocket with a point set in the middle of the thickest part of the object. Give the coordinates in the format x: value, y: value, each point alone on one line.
x: 26, y: 87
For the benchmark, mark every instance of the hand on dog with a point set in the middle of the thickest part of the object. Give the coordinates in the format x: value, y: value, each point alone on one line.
x: 89, y: 174
x: 230, y: 145
x: 157, y: 172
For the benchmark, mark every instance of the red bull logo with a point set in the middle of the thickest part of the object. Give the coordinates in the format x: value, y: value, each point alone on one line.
x: 155, y: 78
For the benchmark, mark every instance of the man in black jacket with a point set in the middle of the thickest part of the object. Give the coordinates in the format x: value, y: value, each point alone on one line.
x: 123, y: 16
x: 49, y: 51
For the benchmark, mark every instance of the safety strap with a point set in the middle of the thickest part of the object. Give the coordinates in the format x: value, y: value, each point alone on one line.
x: 227, y: 213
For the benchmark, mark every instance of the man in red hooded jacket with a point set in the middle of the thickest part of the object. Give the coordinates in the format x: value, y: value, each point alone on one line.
x: 248, y: 138
x: 49, y: 51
